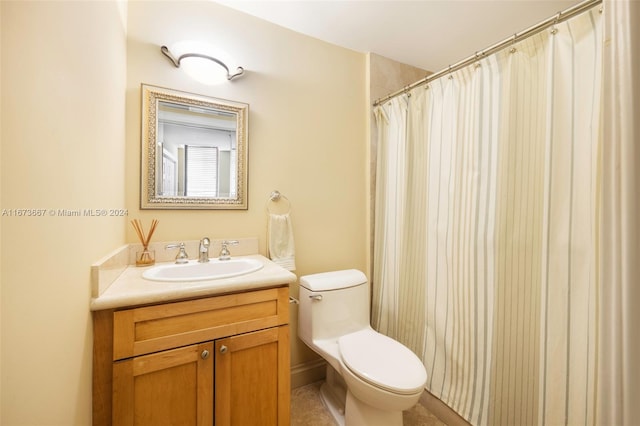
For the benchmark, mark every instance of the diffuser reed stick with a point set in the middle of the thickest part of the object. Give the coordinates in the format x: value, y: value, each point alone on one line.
x: 146, y: 257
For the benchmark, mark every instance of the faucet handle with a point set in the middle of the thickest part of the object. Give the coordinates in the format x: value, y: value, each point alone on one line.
x: 182, y: 256
x: 225, y: 254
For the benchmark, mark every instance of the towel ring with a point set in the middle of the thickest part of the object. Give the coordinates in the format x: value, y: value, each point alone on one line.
x: 275, y: 197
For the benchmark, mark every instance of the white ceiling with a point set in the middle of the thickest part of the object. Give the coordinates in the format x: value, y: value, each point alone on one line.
x: 429, y: 34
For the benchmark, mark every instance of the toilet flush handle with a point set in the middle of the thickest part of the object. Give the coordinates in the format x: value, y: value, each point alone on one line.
x: 317, y: 297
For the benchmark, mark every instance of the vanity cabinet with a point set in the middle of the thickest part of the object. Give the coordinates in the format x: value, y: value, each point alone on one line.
x: 173, y: 387
x: 220, y: 360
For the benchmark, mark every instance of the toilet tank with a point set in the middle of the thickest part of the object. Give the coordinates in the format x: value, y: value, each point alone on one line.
x: 333, y: 304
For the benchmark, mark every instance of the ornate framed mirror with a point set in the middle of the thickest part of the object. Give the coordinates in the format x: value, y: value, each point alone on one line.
x: 194, y: 151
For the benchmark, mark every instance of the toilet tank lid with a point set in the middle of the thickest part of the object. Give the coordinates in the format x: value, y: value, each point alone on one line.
x: 334, y: 280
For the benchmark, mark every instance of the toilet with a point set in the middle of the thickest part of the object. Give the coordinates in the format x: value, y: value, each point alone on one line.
x: 371, y: 378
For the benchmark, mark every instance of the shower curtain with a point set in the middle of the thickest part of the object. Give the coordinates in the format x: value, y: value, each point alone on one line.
x: 487, y: 229
x: 619, y: 343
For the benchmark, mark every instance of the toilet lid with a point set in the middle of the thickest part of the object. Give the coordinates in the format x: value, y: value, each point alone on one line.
x: 383, y: 362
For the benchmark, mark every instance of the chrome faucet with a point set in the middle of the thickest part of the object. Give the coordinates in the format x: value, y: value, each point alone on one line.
x: 182, y: 256
x: 225, y: 254
x: 204, y: 250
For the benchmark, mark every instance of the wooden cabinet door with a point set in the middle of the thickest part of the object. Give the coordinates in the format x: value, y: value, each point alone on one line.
x: 173, y: 387
x: 252, y: 382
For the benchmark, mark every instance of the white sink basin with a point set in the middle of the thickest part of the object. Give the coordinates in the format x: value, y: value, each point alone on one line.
x: 195, y: 271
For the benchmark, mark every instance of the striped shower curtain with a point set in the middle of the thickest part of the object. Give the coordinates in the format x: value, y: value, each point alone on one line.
x: 486, y: 229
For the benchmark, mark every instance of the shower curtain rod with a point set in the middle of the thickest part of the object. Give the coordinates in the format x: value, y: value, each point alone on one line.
x: 559, y: 17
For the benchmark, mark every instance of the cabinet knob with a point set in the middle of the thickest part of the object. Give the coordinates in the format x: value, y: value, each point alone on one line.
x: 223, y: 349
x: 204, y: 354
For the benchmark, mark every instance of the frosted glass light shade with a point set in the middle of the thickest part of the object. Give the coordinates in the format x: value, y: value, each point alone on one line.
x: 202, y: 62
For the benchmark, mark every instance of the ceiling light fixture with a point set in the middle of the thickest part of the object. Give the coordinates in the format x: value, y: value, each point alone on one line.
x: 199, y: 72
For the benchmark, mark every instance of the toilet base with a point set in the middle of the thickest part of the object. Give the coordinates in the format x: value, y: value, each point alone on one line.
x: 347, y: 410
x: 333, y: 393
x: 331, y: 404
x: 357, y: 413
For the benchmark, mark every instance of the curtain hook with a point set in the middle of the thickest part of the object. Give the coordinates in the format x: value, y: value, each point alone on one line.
x: 513, y: 42
x: 554, y: 30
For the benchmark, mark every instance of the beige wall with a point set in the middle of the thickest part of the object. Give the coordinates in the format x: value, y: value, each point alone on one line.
x: 63, y: 81
x: 1, y: 204
x: 307, y: 132
x: 387, y: 76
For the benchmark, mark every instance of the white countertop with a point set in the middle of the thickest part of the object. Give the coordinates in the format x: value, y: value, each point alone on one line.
x: 131, y: 289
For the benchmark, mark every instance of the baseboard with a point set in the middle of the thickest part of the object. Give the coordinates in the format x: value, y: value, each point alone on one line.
x: 308, y: 372
x: 442, y: 410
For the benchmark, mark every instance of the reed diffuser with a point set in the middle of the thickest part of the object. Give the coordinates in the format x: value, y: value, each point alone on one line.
x: 145, y: 257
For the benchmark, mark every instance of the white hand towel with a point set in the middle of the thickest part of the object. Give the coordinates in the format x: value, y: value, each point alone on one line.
x: 281, y: 246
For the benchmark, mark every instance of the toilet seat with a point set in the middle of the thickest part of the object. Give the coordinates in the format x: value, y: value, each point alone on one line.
x: 382, y: 362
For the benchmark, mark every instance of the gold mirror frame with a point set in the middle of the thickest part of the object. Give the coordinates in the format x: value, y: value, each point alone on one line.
x: 149, y: 197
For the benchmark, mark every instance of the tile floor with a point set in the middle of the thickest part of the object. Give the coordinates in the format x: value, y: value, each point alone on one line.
x: 307, y: 410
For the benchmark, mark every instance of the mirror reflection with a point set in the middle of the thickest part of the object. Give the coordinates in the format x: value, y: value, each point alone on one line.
x: 196, y: 151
